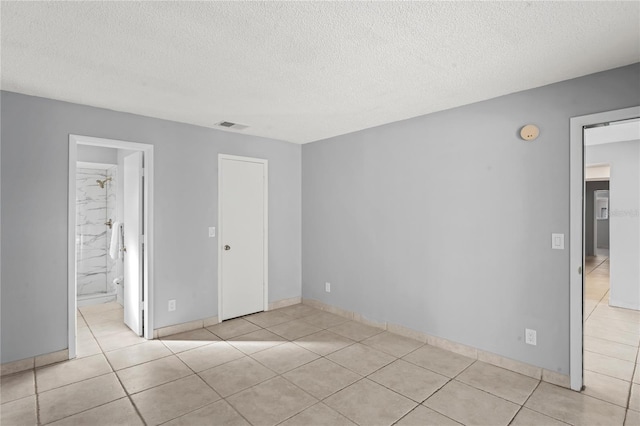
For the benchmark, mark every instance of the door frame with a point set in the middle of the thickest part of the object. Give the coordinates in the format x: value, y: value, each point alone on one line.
x: 265, y: 163
x: 576, y: 232
x: 147, y: 149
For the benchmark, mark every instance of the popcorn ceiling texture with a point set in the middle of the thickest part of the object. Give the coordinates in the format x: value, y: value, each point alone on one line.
x: 302, y: 72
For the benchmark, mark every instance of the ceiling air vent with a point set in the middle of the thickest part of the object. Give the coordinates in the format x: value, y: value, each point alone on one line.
x: 230, y: 125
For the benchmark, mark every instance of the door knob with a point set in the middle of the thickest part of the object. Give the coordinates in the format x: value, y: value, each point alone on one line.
x: 227, y: 247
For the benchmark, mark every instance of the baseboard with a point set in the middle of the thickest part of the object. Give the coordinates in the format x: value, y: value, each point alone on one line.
x: 284, y: 303
x: 184, y: 327
x: 520, y: 367
x: 34, y: 362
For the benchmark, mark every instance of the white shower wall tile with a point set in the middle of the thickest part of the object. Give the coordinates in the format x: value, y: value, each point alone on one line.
x: 91, y: 232
x: 111, y: 209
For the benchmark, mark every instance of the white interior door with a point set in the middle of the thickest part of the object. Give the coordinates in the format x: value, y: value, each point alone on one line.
x: 243, y: 209
x: 133, y: 230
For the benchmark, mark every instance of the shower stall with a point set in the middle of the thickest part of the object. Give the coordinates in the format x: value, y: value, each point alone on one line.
x: 96, y: 209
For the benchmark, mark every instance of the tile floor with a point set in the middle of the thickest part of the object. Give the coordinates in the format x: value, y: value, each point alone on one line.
x: 302, y: 366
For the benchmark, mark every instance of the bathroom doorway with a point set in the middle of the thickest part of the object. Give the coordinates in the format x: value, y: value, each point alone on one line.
x: 110, y: 247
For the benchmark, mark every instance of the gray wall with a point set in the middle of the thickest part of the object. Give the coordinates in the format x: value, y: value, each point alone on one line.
x: 589, y: 217
x: 443, y: 223
x: 35, y: 138
x: 97, y: 154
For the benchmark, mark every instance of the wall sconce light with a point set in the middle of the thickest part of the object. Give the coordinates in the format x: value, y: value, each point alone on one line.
x: 529, y: 132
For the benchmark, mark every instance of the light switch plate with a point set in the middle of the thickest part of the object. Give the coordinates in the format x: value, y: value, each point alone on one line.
x: 212, y: 231
x: 557, y: 241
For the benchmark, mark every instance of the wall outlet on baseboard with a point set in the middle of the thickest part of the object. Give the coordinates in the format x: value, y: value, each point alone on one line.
x: 172, y: 305
x: 327, y: 287
x: 530, y: 337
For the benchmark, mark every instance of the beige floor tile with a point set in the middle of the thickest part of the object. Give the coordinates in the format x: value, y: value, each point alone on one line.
x: 81, y: 323
x: 232, y: 328
x: 137, y: 354
x: 368, y: 403
x: 636, y: 374
x: 423, y: 416
x: 294, y: 329
x: 409, y: 380
x: 71, y: 399
x: 506, y: 384
x: 256, y: 341
x: 609, y: 333
x: 87, y: 347
x: 119, y: 340
x: 120, y: 412
x: 209, y: 356
x: 632, y: 419
x: 324, y: 342
x: 150, y: 374
x: 324, y: 319
x: 16, y: 386
x: 106, y: 328
x: 236, y: 376
x: 268, y: 319
x: 617, y: 313
x: 99, y: 308
x: 285, y: 357
x: 271, y: 402
x: 634, y: 399
x: 435, y: 359
x: 361, y: 359
x: 76, y: 370
x: 112, y: 315
x: 355, y: 331
x: 609, y: 348
x: 471, y: 406
x: 608, y: 366
x: 321, y: 377
x: 606, y: 388
x: 19, y: 412
x: 573, y: 407
x: 318, y: 414
x: 219, y: 413
x: 632, y: 327
x: 189, y: 340
x: 173, y: 399
x: 299, y: 311
x: 526, y: 417
x: 393, y: 344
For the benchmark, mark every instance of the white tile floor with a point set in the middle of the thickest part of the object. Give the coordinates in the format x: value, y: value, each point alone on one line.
x: 301, y: 366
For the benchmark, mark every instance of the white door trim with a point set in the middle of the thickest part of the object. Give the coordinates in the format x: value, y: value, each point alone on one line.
x: 74, y: 141
x: 576, y: 231
x: 265, y: 163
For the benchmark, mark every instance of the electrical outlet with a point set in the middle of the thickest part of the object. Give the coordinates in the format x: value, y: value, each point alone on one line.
x: 327, y: 287
x: 212, y: 231
x: 530, y: 337
x: 172, y: 305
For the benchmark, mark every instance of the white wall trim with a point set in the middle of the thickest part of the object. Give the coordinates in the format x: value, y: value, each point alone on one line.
x: 147, y: 149
x: 576, y: 232
x: 264, y: 162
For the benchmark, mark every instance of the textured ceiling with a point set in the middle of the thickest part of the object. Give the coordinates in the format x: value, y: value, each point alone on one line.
x: 304, y: 71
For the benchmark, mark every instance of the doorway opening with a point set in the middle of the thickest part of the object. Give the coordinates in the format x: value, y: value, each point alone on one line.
x: 110, y: 250
x: 602, y: 188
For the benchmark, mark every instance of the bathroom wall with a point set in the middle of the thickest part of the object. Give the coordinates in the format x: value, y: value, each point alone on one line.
x: 91, y: 232
x: 111, y: 213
